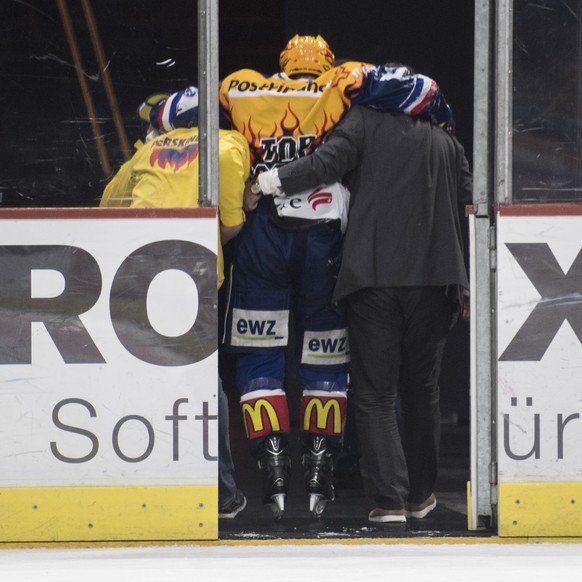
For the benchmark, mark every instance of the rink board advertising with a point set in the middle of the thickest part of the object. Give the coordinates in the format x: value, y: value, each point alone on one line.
x: 108, y: 397
x: 540, y: 370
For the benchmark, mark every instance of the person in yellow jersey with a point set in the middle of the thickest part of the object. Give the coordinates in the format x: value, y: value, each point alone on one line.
x: 163, y: 173
x: 287, y: 257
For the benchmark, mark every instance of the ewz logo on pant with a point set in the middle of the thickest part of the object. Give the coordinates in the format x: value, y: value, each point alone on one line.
x: 269, y: 329
x: 326, y: 348
x: 261, y: 329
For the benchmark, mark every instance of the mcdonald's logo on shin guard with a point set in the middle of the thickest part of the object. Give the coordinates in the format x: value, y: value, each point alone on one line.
x: 324, y: 413
x: 265, y: 412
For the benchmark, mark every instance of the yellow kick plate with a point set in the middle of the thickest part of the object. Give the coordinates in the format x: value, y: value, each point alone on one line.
x: 33, y: 514
x: 540, y: 509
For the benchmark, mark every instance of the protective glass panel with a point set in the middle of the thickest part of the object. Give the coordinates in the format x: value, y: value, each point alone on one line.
x: 547, y: 101
x: 74, y: 73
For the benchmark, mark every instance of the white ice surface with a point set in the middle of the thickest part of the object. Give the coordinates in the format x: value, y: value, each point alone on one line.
x: 546, y: 562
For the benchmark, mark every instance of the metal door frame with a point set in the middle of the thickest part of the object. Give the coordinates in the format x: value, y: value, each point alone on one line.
x: 492, y: 186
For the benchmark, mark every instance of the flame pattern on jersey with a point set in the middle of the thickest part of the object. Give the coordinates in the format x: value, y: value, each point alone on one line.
x: 284, y: 119
x: 174, y: 158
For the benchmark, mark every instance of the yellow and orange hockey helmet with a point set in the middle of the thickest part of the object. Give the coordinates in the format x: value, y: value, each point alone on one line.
x: 306, y: 55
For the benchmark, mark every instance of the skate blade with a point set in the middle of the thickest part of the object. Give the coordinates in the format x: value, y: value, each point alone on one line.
x: 278, y: 505
x: 317, y: 504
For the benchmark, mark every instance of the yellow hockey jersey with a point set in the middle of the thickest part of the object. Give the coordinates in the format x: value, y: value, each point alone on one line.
x: 163, y: 173
x: 283, y: 118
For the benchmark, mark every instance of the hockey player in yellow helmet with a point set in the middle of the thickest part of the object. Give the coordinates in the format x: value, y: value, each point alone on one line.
x: 306, y: 55
x: 287, y: 256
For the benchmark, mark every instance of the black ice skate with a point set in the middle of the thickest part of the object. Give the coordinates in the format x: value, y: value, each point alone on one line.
x: 318, y: 464
x: 275, y: 465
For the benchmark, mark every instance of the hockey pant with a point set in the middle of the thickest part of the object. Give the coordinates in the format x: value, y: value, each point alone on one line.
x: 281, y: 276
